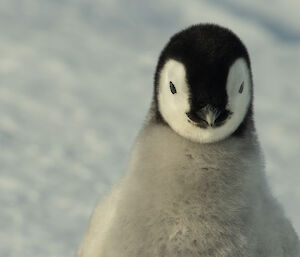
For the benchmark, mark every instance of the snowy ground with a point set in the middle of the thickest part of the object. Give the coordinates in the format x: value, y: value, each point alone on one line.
x: 76, y: 82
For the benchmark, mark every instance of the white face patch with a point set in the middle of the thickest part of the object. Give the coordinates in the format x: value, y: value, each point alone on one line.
x: 173, y: 107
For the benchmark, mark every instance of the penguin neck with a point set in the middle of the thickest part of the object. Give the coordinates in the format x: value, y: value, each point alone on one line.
x: 173, y: 164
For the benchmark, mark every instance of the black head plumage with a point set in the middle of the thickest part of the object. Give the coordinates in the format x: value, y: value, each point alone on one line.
x: 207, y: 51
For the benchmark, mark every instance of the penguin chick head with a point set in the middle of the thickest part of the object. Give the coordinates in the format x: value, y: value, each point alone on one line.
x: 203, y: 84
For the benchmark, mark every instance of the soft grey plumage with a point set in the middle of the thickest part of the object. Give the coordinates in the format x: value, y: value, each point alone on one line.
x: 182, y: 198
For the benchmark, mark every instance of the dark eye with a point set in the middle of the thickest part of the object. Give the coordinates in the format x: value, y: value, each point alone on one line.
x: 172, y: 88
x: 241, y: 88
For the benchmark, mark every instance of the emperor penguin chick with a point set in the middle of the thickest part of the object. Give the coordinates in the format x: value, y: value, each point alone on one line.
x: 195, y: 185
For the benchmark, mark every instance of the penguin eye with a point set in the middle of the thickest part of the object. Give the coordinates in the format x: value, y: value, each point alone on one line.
x: 172, y: 88
x: 241, y: 88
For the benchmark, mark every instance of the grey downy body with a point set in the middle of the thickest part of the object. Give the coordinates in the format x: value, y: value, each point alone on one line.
x: 196, y: 184
x: 185, y: 199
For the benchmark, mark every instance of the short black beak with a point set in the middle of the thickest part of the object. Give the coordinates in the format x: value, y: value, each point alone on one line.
x: 205, y: 117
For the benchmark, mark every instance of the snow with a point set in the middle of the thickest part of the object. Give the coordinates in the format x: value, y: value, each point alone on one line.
x: 76, y: 83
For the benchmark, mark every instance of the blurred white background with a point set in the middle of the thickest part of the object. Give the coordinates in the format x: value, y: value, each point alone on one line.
x: 75, y: 85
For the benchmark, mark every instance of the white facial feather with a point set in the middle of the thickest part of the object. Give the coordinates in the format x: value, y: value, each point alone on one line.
x: 173, y: 107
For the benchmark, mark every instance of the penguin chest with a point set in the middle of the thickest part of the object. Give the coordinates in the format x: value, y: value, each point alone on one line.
x: 185, y: 211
